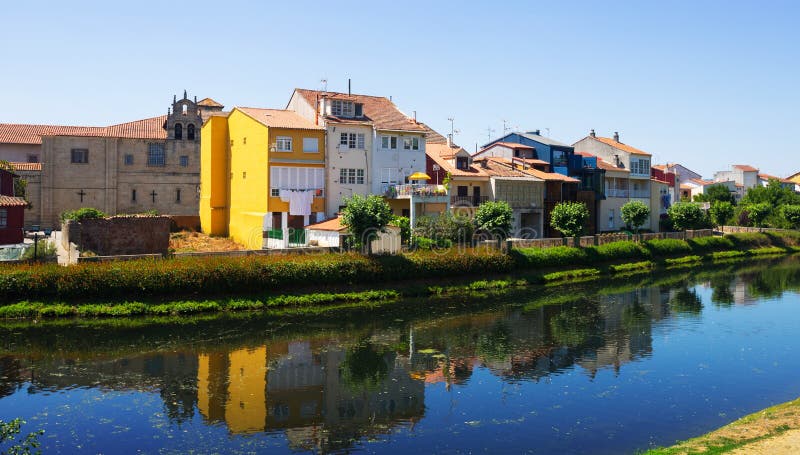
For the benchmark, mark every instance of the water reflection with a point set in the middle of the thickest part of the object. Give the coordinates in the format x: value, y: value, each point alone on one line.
x: 326, y: 388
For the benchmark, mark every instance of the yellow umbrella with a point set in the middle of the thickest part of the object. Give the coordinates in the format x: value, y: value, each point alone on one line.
x: 419, y: 176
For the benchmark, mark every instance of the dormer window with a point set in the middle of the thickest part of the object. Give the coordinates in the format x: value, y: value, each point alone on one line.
x: 342, y: 108
x: 462, y: 162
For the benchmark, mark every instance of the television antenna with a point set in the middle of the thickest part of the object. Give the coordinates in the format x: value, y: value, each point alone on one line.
x: 323, y: 84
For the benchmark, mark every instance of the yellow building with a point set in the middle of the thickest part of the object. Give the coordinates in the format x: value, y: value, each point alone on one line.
x: 262, y: 176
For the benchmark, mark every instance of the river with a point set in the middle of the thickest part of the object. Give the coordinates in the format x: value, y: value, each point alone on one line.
x: 611, y: 367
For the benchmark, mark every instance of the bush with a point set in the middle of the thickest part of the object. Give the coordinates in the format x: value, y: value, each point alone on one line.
x: 405, y: 227
x: 708, y: 244
x: 550, y: 257
x: 45, y: 249
x: 687, y: 215
x: 85, y: 213
x: 364, y: 217
x: 748, y: 240
x: 427, y: 244
x: 620, y: 250
x: 667, y: 247
x: 456, y: 229
x: 791, y: 214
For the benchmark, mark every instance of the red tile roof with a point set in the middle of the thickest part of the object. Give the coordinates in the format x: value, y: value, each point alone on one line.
x: 279, y: 118
x: 621, y: 146
x: 770, y: 177
x: 333, y: 224
x: 11, y: 201
x: 745, y: 168
x: 441, y: 154
x: 151, y: 128
x: 512, y: 145
x: 378, y: 111
x: 26, y: 166
x: 503, y: 167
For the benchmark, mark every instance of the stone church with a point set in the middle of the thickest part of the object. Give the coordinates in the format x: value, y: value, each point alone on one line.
x: 134, y: 167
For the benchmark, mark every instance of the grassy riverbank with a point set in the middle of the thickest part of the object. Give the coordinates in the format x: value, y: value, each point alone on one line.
x: 197, y: 285
x: 774, y: 430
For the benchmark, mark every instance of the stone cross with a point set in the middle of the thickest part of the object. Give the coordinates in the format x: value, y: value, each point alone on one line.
x: 81, y: 193
x: 154, y: 194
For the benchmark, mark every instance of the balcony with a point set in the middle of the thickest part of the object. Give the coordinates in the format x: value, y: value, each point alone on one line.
x: 418, y: 192
x: 465, y: 201
x: 617, y: 193
x: 644, y: 194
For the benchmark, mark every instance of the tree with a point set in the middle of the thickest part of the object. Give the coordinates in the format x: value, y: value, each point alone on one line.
x: 774, y: 194
x: 405, y: 227
x: 721, y: 212
x: 569, y: 218
x: 635, y: 214
x: 716, y: 193
x: 495, y: 218
x: 758, y: 213
x: 791, y: 213
x: 687, y: 215
x: 446, y: 226
x: 365, y: 218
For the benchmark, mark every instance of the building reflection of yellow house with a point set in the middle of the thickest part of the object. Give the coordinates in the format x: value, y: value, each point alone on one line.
x: 296, y: 387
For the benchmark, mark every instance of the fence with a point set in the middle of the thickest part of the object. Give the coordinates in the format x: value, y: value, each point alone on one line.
x: 602, y: 239
x: 737, y: 229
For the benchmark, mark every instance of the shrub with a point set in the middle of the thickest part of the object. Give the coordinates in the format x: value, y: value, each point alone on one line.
x: 635, y: 214
x: 791, y: 213
x: 687, y: 215
x: 426, y: 244
x: 569, y: 218
x: 405, y: 227
x: 44, y: 249
x: 708, y: 244
x: 85, y: 213
x: 667, y: 247
x: 748, y: 240
x: 364, y: 217
x: 619, y: 250
x: 551, y: 257
x: 494, y: 218
x: 456, y: 229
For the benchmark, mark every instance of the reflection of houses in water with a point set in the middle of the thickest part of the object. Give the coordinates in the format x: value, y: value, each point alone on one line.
x: 172, y: 374
x: 299, y: 388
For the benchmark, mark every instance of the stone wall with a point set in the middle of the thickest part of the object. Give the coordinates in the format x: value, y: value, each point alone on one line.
x: 119, y: 235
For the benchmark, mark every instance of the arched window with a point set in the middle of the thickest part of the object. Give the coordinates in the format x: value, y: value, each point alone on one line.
x: 178, y: 131
x: 190, y: 132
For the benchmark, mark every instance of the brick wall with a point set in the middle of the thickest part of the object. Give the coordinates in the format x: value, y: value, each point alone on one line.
x: 119, y: 235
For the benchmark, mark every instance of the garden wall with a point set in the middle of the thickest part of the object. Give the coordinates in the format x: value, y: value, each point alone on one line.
x: 119, y: 235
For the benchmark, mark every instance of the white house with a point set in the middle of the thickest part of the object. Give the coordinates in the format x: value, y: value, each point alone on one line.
x: 371, y: 145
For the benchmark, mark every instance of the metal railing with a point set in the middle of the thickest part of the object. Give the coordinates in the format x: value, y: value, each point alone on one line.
x: 467, y: 200
x: 416, y: 189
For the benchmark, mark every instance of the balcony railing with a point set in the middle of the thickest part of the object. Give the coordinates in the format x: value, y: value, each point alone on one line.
x: 616, y: 193
x: 645, y: 194
x: 416, y: 190
x: 468, y: 200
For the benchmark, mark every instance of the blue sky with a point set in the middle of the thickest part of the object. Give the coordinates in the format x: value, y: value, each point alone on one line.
x: 703, y: 83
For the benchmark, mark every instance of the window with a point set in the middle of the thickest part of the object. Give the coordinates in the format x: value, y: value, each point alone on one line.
x: 341, y: 108
x: 177, y: 195
x: 178, y: 131
x: 284, y: 144
x: 560, y: 158
x: 80, y: 156
x: 155, y: 155
x: 128, y: 159
x: 296, y: 178
x: 33, y: 158
x: 389, y: 142
x: 184, y: 160
x: 190, y: 132
x: 133, y: 195
x: 640, y: 166
x: 351, y: 176
x: 351, y: 140
x: 3, y: 218
x: 462, y: 162
x: 310, y: 145
x: 463, y: 190
x: 611, y: 218
x: 411, y: 143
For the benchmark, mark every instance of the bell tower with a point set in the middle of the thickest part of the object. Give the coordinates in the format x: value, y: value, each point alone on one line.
x: 183, y: 120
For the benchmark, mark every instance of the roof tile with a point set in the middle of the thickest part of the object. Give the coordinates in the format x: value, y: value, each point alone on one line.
x: 621, y: 146
x: 11, y: 201
x: 279, y: 118
x: 378, y: 111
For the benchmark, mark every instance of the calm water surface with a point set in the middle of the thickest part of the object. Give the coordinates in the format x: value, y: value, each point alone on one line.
x: 602, y: 368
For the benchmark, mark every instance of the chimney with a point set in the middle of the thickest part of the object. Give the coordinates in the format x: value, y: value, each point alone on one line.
x: 348, y: 87
x: 449, y: 140
x: 591, y: 133
x: 415, y: 116
x: 616, y: 136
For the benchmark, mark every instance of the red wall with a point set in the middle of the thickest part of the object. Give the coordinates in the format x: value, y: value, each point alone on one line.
x: 13, y: 232
x: 6, y: 183
x: 433, y: 174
